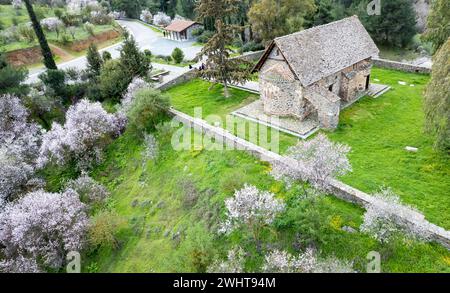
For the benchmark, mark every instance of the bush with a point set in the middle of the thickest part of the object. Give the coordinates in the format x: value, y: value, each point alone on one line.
x: 104, y: 230
x: 252, y: 46
x: 177, y: 55
x: 54, y: 80
x: 147, y: 110
x: 106, y: 56
x: 89, y: 28
x: 205, y: 36
x: 113, y: 80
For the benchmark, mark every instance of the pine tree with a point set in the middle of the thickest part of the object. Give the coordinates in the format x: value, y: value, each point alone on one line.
x: 94, y: 60
x: 437, y: 99
x: 219, y: 67
x: 132, y: 60
x: 49, y: 62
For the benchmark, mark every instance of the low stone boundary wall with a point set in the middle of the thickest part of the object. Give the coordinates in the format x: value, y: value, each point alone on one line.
x: 339, y: 189
x: 189, y: 75
x: 250, y: 56
x: 384, y: 63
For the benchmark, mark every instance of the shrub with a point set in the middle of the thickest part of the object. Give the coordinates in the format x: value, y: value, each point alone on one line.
x: 177, y: 55
x: 27, y: 32
x: 104, y: 229
x: 113, y: 80
x: 89, y: 28
x: 148, y: 109
x: 54, y: 80
x: 90, y: 191
x: 252, y: 46
x: 233, y: 265
x: 205, y: 36
x: 106, y: 56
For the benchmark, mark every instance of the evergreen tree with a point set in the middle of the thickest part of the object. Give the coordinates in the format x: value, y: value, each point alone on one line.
x: 49, y: 62
x: 396, y: 26
x: 274, y: 18
x: 132, y: 8
x: 132, y: 60
x: 219, y: 67
x: 437, y: 99
x: 11, y: 78
x: 438, y: 26
x: 94, y: 60
x: 177, y: 55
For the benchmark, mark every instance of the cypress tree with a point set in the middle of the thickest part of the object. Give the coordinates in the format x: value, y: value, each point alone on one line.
x: 49, y: 62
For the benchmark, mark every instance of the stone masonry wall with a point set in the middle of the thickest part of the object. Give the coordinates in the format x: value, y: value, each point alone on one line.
x: 383, y: 63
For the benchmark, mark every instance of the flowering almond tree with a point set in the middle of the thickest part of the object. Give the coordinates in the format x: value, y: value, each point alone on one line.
x: 19, y: 147
x: 251, y: 208
x: 316, y: 161
x: 38, y: 230
x: 88, y: 129
x: 161, y: 19
x: 282, y: 262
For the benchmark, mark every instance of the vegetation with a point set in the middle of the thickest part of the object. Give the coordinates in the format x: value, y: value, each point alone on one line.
x: 173, y: 208
x: 11, y: 78
x: 49, y: 62
x: 177, y: 55
x: 437, y: 99
x: 377, y: 130
x: 438, y: 30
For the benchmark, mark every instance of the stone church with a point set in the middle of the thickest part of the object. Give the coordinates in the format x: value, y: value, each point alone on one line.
x: 317, y: 71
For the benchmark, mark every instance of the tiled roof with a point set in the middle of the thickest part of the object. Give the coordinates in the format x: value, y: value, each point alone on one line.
x: 180, y: 25
x: 324, y: 50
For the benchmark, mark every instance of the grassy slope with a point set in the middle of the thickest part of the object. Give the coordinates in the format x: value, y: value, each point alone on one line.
x: 150, y: 197
x: 378, y: 130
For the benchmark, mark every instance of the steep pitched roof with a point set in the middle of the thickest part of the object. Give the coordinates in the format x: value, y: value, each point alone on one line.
x: 180, y: 25
x: 320, y: 51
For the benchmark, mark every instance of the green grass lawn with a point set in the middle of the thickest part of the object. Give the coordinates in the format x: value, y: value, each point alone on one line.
x: 378, y: 130
x: 183, y: 193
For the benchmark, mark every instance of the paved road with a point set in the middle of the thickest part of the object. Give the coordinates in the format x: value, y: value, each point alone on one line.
x: 146, y: 39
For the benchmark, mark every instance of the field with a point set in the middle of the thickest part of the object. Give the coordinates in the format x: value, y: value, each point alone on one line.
x: 172, y: 208
x: 9, y: 16
x: 378, y: 130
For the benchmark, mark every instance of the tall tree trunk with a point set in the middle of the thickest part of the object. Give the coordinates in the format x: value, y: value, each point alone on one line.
x: 226, y: 92
x: 49, y: 62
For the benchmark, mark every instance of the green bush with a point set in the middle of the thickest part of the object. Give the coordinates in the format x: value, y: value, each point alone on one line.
x: 106, y: 56
x: 113, y: 80
x: 204, y: 37
x: 177, y: 55
x: 54, y: 80
x: 148, y: 109
x: 105, y: 229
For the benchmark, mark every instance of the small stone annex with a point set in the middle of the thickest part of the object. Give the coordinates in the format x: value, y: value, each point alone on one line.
x: 317, y: 72
x: 181, y: 30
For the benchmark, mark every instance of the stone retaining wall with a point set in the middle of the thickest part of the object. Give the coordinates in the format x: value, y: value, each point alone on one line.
x: 250, y: 56
x: 189, y: 75
x: 339, y: 189
x: 383, y: 63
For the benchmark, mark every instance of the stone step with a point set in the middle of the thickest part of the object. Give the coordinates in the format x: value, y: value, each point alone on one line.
x: 378, y: 92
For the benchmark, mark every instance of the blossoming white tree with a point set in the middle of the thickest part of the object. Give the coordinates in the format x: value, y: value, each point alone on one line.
x: 161, y: 19
x: 42, y: 227
x: 282, y: 262
x: 19, y: 147
x: 233, y: 265
x: 251, y: 208
x: 90, y: 191
x: 52, y: 24
x: 16, y: 4
x: 316, y: 161
x: 87, y: 130
x: 381, y: 218
x: 146, y: 16
x: 136, y: 84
